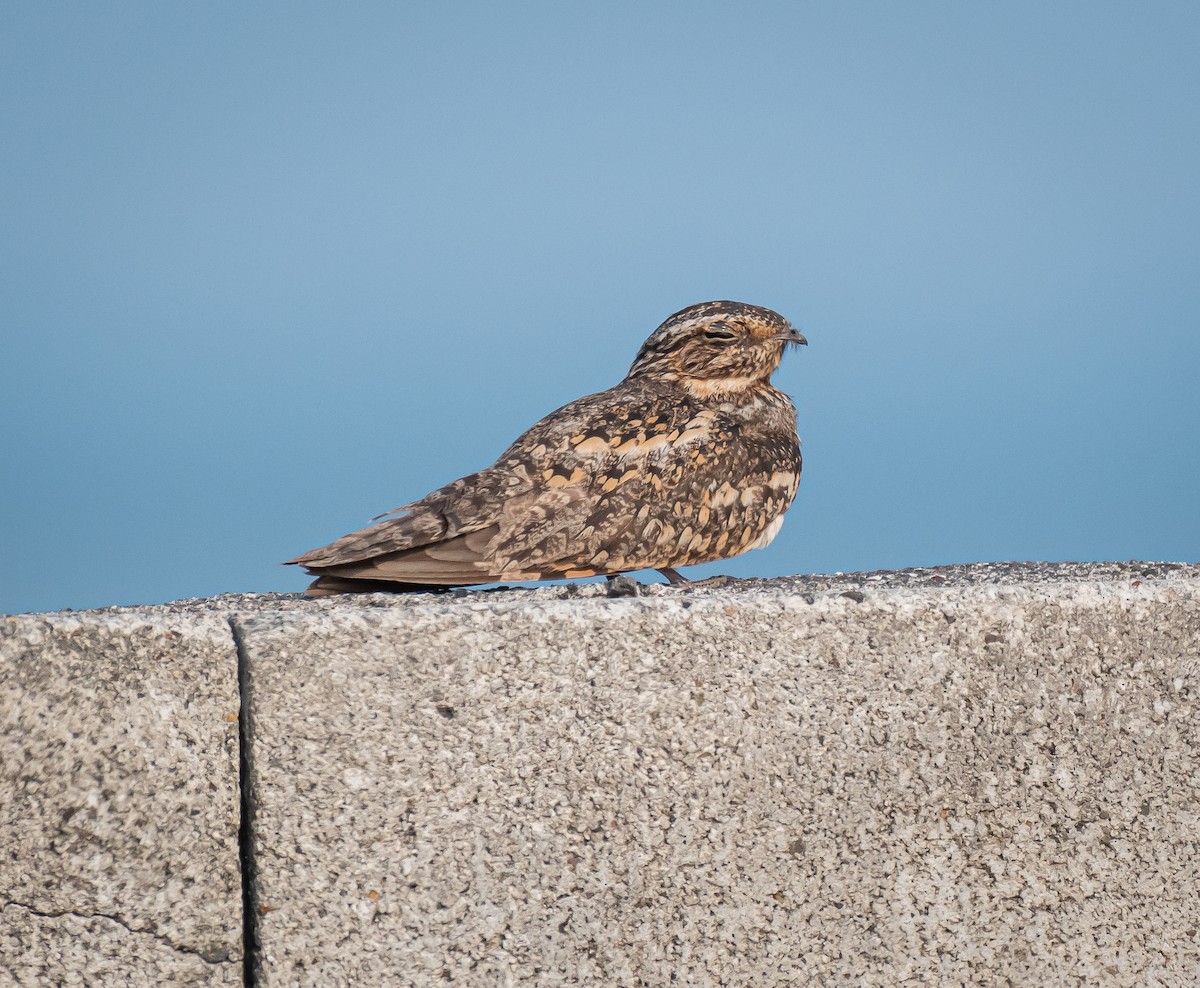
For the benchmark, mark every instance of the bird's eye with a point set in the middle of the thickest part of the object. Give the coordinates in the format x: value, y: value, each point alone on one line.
x: 719, y: 334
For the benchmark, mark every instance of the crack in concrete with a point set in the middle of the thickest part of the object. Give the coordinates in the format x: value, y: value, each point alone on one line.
x: 209, y: 957
x: 246, y: 817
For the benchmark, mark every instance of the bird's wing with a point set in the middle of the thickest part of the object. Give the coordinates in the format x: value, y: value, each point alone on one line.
x: 466, y: 558
x: 521, y: 517
x: 611, y: 482
x: 466, y: 507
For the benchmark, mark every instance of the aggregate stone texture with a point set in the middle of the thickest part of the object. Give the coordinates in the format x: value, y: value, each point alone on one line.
x: 119, y: 800
x: 842, y: 782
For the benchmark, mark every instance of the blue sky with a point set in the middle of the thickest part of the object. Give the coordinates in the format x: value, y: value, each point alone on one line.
x: 270, y: 269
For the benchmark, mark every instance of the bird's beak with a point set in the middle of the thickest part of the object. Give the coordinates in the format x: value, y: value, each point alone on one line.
x: 792, y: 335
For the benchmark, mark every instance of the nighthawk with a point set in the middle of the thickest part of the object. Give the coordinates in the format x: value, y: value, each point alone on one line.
x: 692, y: 458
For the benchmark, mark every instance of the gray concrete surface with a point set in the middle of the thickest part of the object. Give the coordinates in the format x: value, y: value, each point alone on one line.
x: 763, y: 785
x: 119, y: 800
x: 982, y: 775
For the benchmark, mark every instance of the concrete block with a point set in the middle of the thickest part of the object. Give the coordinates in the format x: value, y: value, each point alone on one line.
x: 119, y: 800
x: 771, y: 785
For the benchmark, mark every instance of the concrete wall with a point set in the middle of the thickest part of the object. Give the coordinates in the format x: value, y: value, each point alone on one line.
x: 119, y: 800
x: 975, y: 775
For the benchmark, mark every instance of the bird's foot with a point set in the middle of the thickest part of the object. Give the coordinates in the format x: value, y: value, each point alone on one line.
x: 714, y: 581
x: 677, y: 579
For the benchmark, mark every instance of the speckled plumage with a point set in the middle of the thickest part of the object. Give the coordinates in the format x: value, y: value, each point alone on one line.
x: 693, y: 457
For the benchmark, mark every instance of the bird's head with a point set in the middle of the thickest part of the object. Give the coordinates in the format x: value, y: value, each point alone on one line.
x: 717, y: 348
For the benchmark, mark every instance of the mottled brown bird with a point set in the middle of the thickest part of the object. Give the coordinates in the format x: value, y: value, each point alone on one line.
x: 693, y: 457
